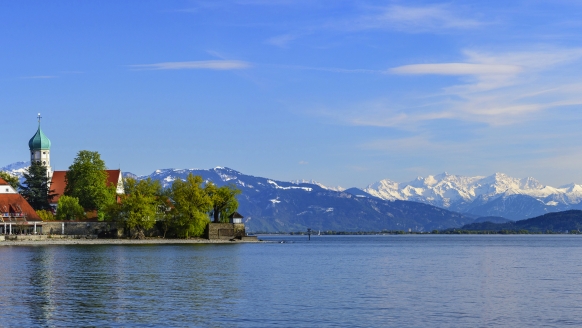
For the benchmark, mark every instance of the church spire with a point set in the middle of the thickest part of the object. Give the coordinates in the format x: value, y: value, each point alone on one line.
x: 40, y: 147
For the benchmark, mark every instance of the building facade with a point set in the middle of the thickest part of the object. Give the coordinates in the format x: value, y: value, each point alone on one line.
x: 16, y: 215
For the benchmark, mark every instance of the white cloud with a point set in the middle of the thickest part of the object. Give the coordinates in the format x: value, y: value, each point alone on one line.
x: 282, y: 41
x: 417, y: 19
x: 303, y: 163
x: 39, y: 77
x: 202, y: 64
x: 457, y: 69
x: 491, y: 88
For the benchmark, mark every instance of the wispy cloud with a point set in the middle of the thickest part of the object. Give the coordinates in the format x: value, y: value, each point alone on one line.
x: 416, y: 19
x: 202, y: 64
x: 331, y: 69
x: 283, y: 40
x: 303, y: 163
x: 491, y: 88
x: 457, y: 69
x: 39, y: 77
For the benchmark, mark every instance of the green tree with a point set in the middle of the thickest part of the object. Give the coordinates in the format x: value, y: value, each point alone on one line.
x: 191, y: 206
x: 11, y: 179
x: 165, y: 212
x: 138, y: 207
x: 87, y: 180
x: 45, y: 215
x: 69, y: 208
x: 223, y: 199
x: 35, y: 188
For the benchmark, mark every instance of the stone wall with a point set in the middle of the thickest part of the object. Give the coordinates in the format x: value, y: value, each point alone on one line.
x: 104, y: 229
x: 225, y: 230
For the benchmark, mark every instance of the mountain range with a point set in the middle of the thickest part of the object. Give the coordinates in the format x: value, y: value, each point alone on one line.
x: 434, y: 202
x: 559, y: 222
x: 495, y: 195
x: 277, y: 206
x: 273, y: 206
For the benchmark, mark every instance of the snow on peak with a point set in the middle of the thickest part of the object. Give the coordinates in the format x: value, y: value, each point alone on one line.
x: 321, y: 185
x: 444, y: 189
x: 274, y: 184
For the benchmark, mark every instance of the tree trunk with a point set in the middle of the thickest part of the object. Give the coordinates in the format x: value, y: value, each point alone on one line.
x: 216, y: 219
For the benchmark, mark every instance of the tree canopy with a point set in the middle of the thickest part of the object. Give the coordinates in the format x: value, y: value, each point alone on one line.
x: 68, y: 208
x: 87, y: 180
x: 35, y: 188
x: 45, y: 215
x: 139, y: 205
x: 11, y: 179
x: 223, y: 199
x: 191, y: 205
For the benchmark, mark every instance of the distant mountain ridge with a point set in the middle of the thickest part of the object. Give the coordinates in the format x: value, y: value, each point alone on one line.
x: 273, y: 206
x: 16, y: 169
x: 495, y: 195
x: 560, y: 222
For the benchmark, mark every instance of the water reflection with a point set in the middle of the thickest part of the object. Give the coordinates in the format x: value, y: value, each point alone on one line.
x: 438, y: 282
x: 40, y: 278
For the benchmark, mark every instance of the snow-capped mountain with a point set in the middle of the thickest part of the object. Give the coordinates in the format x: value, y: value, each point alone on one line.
x: 271, y: 205
x: 482, y: 195
x: 16, y: 169
x: 338, y: 188
x: 496, y: 195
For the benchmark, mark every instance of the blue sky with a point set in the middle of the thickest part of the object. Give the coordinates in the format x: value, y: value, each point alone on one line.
x: 343, y: 92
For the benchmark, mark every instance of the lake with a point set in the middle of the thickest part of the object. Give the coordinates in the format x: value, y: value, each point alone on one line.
x: 330, y: 281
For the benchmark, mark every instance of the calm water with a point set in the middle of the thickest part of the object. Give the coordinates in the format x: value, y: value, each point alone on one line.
x: 351, y: 281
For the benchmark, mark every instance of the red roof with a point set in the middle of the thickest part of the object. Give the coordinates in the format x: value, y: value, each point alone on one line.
x: 58, y: 185
x: 15, y: 203
x: 3, y: 182
x: 58, y: 182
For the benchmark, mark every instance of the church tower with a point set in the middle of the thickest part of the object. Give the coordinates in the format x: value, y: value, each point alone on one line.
x: 40, y: 149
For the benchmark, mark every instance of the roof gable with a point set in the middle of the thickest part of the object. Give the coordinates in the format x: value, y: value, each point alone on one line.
x: 58, y: 182
x: 15, y: 203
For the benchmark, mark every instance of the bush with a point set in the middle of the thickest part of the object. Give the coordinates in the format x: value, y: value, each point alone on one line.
x: 69, y: 209
x: 45, y: 215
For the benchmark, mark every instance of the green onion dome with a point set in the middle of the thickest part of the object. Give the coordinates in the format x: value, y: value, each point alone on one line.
x: 39, y: 141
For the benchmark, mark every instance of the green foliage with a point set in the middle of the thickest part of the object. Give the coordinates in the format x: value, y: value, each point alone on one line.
x: 138, y: 207
x: 87, y: 180
x: 36, y: 187
x: 191, y: 205
x: 45, y: 215
x: 223, y: 199
x: 11, y: 179
x: 69, y: 208
x: 165, y: 212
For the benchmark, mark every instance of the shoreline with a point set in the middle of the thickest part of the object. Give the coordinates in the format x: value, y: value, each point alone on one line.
x: 153, y: 241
